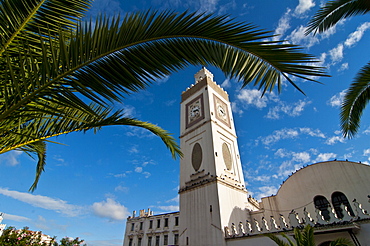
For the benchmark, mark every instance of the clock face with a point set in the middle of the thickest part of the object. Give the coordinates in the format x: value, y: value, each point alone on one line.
x: 194, y: 111
x: 221, y: 109
x: 221, y: 112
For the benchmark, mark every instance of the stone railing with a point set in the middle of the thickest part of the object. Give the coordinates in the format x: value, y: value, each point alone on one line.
x: 263, y: 225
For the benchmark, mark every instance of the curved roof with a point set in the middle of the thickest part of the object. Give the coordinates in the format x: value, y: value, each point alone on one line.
x: 324, y: 178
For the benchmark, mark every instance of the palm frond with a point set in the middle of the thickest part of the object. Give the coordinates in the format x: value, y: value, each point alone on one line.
x: 334, y: 11
x: 341, y: 242
x: 306, y: 236
x: 51, y: 67
x: 38, y: 148
x: 30, y: 132
x: 36, y: 127
x: 278, y: 240
x: 100, y: 63
x: 31, y: 19
x: 355, y: 101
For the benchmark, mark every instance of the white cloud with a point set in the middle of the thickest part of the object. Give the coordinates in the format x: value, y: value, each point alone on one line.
x: 121, y: 188
x: 332, y: 30
x: 283, y: 25
x: 322, y: 60
x: 356, y: 36
x: 147, y: 174
x: 145, y: 163
x: 226, y: 83
x: 304, y: 6
x: 252, y: 97
x: 325, y: 157
x: 280, y: 134
x: 163, y: 80
x: 337, y: 99
x: 366, y: 152
x: 10, y: 158
x: 175, y: 199
x: 367, y: 131
x: 110, y: 209
x: 138, y: 169
x: 301, y: 157
x: 171, y: 208
x: 297, y: 157
x: 298, y: 36
x: 44, y: 202
x: 236, y: 109
x: 208, y: 5
x: 227, y: 8
x: 263, y: 178
x: 348, y: 155
x: 289, y: 133
x: 130, y: 111
x: 335, y: 139
x: 45, y: 224
x: 139, y: 132
x: 134, y: 149
x: 312, y: 132
x: 15, y: 217
x: 266, y: 191
x: 293, y: 110
x: 336, y: 54
x: 285, y: 169
x: 282, y: 153
x: 170, y: 102
x: 120, y: 175
x: 343, y: 67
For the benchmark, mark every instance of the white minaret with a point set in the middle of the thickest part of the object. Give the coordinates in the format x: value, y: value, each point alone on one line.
x: 212, y: 191
x: 2, y: 226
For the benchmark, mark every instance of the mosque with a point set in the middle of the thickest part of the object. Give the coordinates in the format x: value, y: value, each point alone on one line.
x: 215, y: 209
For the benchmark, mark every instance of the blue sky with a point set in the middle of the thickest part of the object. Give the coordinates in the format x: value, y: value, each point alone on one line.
x: 93, y: 182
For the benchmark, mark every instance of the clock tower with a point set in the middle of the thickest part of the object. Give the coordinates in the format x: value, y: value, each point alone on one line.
x: 212, y: 190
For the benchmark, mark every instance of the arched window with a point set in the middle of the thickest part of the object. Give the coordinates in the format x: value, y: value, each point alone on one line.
x: 337, y: 199
x: 322, y: 204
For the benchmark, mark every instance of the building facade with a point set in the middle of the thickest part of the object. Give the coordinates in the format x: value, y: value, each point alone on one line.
x: 152, y: 230
x: 215, y: 208
x: 2, y: 226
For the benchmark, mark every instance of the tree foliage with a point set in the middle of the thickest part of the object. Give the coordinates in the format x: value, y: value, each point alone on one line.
x: 304, y: 237
x: 25, y: 237
x: 358, y: 94
x: 59, y: 74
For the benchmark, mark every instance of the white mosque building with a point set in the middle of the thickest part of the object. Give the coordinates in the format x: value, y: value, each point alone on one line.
x: 215, y: 209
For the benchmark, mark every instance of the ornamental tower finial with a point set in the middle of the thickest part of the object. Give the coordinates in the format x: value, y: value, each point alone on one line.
x: 199, y: 76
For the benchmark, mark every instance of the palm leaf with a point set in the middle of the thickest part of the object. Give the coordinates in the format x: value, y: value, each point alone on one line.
x: 30, y: 135
x: 334, y: 11
x: 39, y: 127
x: 306, y: 236
x: 355, y: 101
x: 31, y: 19
x: 50, y: 70
x: 341, y: 242
x: 38, y: 148
x: 279, y: 241
x: 104, y: 63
